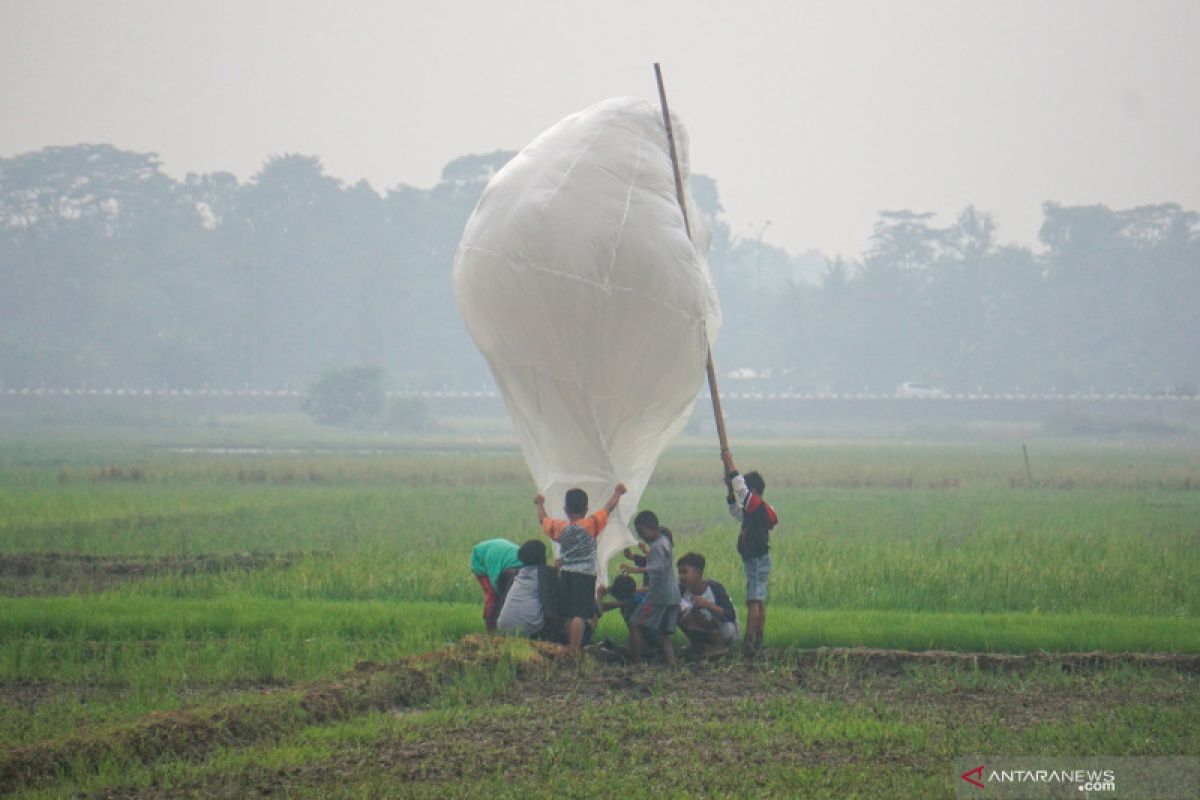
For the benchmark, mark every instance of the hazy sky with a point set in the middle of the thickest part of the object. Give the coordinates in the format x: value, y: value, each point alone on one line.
x: 812, y: 115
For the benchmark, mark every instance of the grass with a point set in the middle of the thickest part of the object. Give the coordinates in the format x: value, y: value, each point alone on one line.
x: 166, y: 578
x: 974, y: 547
x: 459, y: 674
x: 715, y: 731
x: 167, y: 642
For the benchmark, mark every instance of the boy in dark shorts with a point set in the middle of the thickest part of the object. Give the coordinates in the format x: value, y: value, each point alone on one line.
x: 658, y: 615
x: 625, y: 596
x: 747, y: 506
x: 576, y: 537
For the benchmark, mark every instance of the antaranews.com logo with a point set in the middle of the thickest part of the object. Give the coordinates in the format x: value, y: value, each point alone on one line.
x: 1090, y: 776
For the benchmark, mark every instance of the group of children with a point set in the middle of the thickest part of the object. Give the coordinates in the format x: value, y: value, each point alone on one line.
x: 524, y: 595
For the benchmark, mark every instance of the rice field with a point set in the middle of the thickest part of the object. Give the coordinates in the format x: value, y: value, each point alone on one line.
x: 159, y: 571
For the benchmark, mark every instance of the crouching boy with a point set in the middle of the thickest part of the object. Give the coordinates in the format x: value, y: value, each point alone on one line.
x: 532, y: 606
x: 707, y: 616
x: 491, y: 561
x: 625, y: 596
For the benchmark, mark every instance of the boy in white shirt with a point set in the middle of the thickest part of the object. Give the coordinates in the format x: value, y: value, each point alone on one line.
x: 708, y: 617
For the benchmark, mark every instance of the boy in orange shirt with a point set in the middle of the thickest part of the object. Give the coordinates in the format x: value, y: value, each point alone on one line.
x: 576, y: 537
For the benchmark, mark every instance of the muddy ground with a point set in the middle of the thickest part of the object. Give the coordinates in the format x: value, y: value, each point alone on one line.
x: 512, y: 731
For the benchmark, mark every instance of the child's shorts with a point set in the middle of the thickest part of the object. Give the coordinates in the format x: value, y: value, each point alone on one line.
x: 758, y: 568
x: 660, y: 619
x: 579, y: 594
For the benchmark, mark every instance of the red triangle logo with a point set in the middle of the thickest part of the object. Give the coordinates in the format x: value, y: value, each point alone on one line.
x: 978, y: 771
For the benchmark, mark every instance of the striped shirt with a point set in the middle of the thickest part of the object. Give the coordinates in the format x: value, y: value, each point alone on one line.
x: 577, y: 540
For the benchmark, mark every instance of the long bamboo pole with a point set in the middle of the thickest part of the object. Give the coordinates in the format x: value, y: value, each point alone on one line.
x: 718, y: 414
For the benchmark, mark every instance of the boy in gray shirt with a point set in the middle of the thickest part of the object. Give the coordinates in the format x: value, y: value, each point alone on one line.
x: 532, y: 606
x: 658, y: 615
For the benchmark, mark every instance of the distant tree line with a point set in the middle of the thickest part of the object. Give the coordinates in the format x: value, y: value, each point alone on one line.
x: 113, y: 273
x: 1108, y: 304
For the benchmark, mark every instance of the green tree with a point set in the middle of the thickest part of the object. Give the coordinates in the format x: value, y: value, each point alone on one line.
x: 347, y: 396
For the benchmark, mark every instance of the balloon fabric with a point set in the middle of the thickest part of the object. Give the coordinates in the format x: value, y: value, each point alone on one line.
x: 576, y: 279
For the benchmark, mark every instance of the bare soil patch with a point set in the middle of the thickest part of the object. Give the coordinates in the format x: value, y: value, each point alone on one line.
x: 42, y: 574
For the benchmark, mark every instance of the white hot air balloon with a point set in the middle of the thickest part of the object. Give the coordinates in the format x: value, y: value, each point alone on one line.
x: 578, y: 282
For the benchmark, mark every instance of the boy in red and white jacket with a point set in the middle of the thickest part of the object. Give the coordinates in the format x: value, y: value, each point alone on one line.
x: 747, y: 506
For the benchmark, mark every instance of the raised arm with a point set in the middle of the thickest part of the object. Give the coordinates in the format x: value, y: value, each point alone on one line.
x: 616, y: 498
x: 540, y: 502
x: 738, y: 491
x: 735, y: 486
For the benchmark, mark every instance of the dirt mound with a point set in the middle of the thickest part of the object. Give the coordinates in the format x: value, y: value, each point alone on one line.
x: 369, y: 686
x: 723, y: 712
x: 817, y: 670
x: 190, y: 733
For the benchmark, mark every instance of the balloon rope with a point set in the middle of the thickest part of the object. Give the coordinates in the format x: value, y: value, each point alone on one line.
x: 718, y: 414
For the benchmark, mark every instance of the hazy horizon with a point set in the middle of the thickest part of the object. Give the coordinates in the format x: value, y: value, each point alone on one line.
x: 814, y: 116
